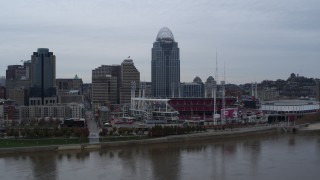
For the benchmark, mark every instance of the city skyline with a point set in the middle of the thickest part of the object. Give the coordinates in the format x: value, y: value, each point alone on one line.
x: 255, y: 40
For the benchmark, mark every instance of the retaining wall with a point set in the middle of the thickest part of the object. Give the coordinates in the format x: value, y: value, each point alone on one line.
x: 169, y: 139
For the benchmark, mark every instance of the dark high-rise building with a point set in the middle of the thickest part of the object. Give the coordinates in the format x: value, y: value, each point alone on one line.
x: 43, y: 78
x: 111, y: 84
x: 69, y: 90
x: 165, y: 65
x: 129, y: 74
x: 18, y: 83
x: 105, y: 85
x: 14, y: 72
x: 64, y: 86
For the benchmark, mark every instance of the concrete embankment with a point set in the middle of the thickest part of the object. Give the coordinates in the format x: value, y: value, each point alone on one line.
x: 169, y: 139
x: 312, y: 129
x: 211, y: 135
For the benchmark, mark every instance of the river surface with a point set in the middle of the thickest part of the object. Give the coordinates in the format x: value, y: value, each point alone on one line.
x: 285, y: 157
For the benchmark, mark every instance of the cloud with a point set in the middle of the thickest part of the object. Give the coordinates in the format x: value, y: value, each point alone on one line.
x: 260, y: 39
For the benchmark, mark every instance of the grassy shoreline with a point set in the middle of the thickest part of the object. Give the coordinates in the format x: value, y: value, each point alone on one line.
x: 18, y: 143
x: 24, y: 142
x: 12, y: 142
x: 75, y: 144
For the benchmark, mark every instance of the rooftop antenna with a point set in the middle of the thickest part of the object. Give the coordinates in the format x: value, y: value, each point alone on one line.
x: 223, y: 89
x: 224, y: 71
x: 215, y: 91
x: 216, y: 74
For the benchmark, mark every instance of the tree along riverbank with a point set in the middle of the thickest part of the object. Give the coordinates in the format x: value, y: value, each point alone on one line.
x: 209, y: 135
x: 27, y: 137
x: 15, y: 143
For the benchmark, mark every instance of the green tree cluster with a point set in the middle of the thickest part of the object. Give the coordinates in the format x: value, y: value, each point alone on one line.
x: 160, y: 131
x: 39, y: 132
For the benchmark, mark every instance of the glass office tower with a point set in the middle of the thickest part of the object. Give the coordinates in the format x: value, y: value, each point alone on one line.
x: 165, y: 65
x: 43, y: 78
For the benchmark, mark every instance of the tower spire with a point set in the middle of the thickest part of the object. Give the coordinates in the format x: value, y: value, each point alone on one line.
x: 216, y: 73
x: 224, y: 70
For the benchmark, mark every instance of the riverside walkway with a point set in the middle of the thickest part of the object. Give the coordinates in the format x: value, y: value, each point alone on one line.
x: 208, y: 135
x: 315, y: 126
x: 311, y: 127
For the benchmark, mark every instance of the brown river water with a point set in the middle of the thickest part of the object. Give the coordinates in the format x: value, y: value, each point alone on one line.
x: 285, y: 157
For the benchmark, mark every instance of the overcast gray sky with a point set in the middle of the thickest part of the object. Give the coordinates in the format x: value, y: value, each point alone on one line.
x: 255, y: 39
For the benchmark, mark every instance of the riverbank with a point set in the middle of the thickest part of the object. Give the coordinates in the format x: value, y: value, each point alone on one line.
x: 209, y: 135
x: 311, y: 129
x: 12, y: 142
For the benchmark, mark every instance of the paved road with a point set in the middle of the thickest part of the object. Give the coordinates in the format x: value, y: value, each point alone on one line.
x: 92, y: 125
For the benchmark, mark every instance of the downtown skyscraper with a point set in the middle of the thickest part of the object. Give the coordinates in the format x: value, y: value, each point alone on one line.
x: 43, y: 78
x: 105, y: 85
x: 129, y: 75
x: 111, y: 84
x: 165, y: 65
